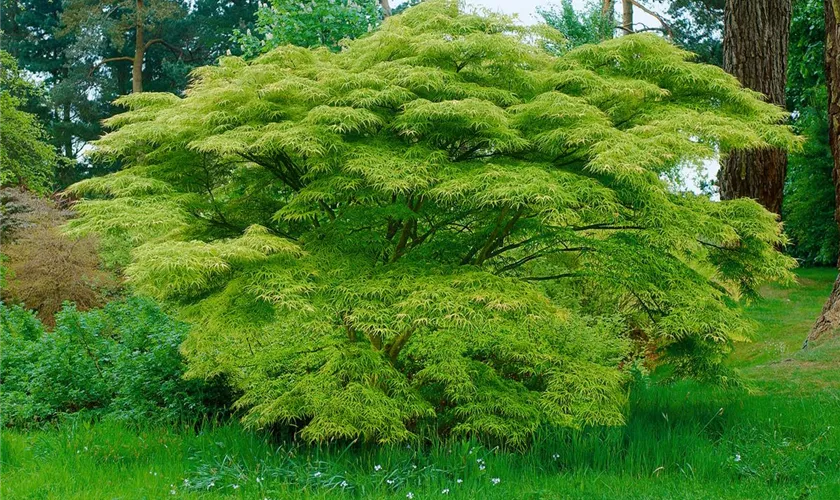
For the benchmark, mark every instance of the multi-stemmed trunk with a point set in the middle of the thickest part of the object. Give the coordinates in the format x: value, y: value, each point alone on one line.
x: 829, y: 320
x: 755, y: 49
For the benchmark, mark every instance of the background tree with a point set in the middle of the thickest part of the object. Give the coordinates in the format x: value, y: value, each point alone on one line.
x: 627, y: 24
x: 808, y: 207
x: 137, y: 24
x: 308, y: 24
x: 829, y: 319
x: 61, y: 56
x: 577, y: 28
x: 755, y: 49
x: 442, y: 225
x: 69, y: 114
x: 26, y: 159
x: 697, y: 26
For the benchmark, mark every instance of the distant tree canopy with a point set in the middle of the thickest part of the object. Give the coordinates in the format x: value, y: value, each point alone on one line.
x: 697, y: 26
x: 66, y: 44
x: 441, y: 226
x: 578, y: 28
x: 310, y: 23
x: 26, y: 159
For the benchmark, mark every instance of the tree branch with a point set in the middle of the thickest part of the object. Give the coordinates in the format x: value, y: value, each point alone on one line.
x: 655, y: 16
x: 554, y: 277
x: 109, y: 60
x: 175, y: 50
x: 537, y: 255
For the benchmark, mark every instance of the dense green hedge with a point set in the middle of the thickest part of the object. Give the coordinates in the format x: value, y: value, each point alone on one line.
x: 120, y: 362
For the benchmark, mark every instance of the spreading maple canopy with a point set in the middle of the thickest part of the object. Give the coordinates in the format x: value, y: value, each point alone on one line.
x: 441, y: 226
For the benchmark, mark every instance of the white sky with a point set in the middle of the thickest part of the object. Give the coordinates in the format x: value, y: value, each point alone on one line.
x: 527, y: 9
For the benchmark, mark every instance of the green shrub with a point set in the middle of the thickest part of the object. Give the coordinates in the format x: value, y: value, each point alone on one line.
x: 121, y: 361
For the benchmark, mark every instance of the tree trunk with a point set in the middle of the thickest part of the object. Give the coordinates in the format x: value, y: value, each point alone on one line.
x: 608, y: 19
x: 386, y: 8
x: 755, y: 50
x: 626, y: 17
x: 122, y: 79
x: 67, y: 118
x: 139, y: 52
x: 829, y: 320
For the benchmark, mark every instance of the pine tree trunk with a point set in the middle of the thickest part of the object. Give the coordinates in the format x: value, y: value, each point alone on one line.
x: 755, y: 50
x: 626, y: 17
x: 829, y: 320
x: 607, y: 18
x: 139, y: 52
x: 68, y: 138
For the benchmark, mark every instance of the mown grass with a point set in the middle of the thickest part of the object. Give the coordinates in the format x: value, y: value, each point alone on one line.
x: 777, y: 440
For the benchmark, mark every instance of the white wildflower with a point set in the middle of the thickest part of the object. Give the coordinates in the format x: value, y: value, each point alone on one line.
x: 409, y: 495
x: 737, y: 457
x: 495, y: 480
x: 445, y: 491
x: 377, y: 467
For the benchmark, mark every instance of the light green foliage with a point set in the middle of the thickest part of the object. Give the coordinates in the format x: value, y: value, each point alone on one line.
x: 121, y: 361
x: 442, y: 225
x: 310, y: 23
x: 26, y: 159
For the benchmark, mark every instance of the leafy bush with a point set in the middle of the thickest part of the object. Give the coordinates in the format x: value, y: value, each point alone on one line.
x: 43, y: 266
x: 442, y: 225
x: 121, y: 361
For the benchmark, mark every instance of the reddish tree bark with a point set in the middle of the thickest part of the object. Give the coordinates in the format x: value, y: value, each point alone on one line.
x: 755, y: 50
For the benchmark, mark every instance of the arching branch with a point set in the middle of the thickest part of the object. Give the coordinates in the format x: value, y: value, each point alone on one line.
x: 175, y: 50
x: 109, y: 60
x: 654, y: 15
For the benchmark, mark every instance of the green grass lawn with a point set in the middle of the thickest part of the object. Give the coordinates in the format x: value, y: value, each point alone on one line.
x: 777, y: 439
